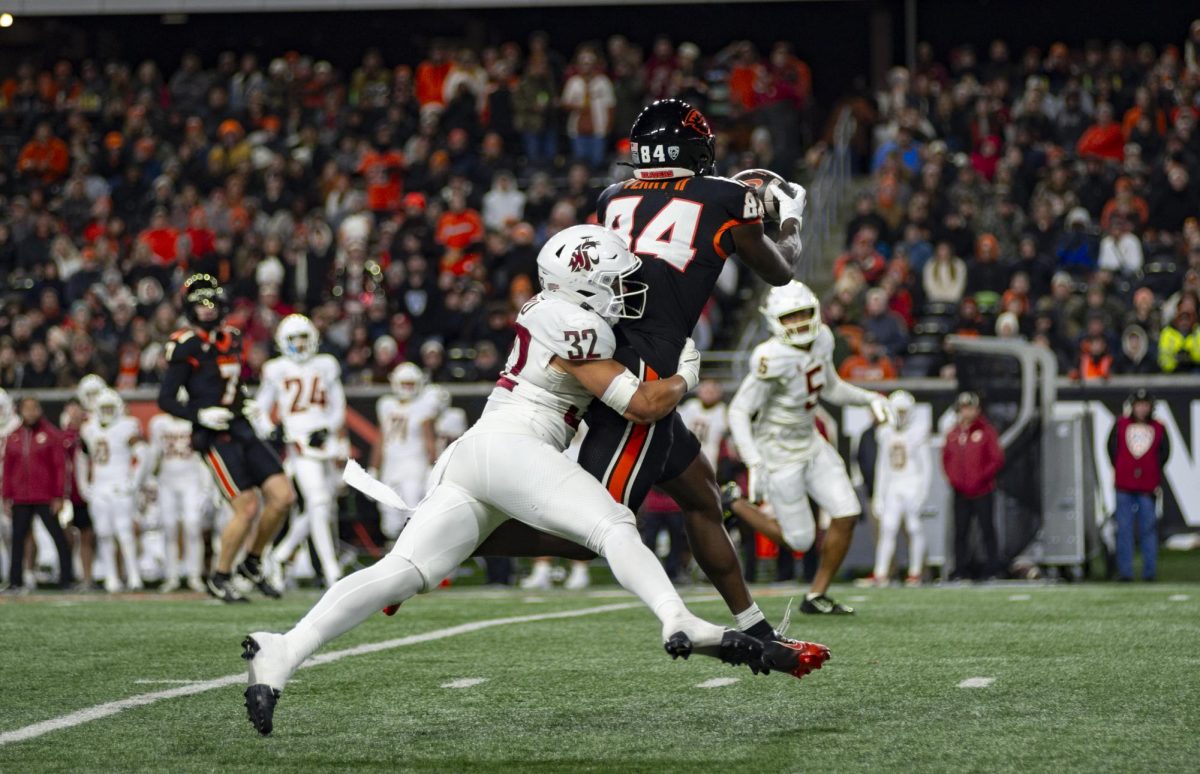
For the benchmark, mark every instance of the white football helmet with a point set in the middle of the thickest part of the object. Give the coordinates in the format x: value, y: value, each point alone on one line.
x: 903, y: 404
x: 788, y: 300
x: 89, y: 388
x: 407, y: 381
x: 109, y: 407
x: 297, y: 337
x: 590, y: 266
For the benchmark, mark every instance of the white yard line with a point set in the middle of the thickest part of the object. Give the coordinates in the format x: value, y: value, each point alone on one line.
x: 108, y: 709
x: 1178, y: 598
x: 977, y: 682
x: 717, y: 682
x: 1019, y: 598
x: 166, y: 682
x: 465, y: 682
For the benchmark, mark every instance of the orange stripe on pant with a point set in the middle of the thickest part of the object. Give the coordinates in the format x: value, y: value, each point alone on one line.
x: 630, y: 453
x: 218, y: 467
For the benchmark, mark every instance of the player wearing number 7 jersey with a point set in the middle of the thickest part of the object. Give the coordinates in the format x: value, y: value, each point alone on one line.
x: 202, y: 385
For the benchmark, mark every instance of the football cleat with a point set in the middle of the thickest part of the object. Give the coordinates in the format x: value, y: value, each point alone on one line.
x: 795, y: 657
x: 730, y: 493
x: 169, y: 585
x: 823, y: 605
x: 734, y: 648
x: 224, y: 590
x: 196, y: 583
x: 391, y: 610
x: 579, y: 578
x: 259, y: 579
x: 260, y: 707
x: 913, y: 581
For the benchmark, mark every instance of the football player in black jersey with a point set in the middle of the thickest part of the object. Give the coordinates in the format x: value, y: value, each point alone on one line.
x: 204, y: 360
x: 684, y: 223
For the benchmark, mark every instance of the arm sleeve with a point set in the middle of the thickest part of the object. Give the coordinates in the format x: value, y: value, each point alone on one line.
x: 882, y: 468
x: 751, y: 396
x: 178, y: 371
x: 336, y: 405
x: 843, y: 393
x: 1112, y: 445
x: 266, y: 397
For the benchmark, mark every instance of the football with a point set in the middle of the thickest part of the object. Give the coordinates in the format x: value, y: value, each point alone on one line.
x: 765, y: 184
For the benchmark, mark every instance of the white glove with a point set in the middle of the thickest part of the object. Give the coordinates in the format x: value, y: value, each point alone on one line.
x: 251, y: 410
x: 689, y: 365
x: 214, y: 417
x: 757, y: 481
x: 790, y: 199
x: 877, y: 507
x: 882, y: 410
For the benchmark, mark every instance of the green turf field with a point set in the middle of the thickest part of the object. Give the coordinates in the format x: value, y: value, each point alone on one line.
x: 1085, y: 678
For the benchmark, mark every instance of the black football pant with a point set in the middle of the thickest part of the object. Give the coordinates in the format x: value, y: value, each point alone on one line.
x: 650, y: 524
x: 977, y: 510
x: 22, y: 516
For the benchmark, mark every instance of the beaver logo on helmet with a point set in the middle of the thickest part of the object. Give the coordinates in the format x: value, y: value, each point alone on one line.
x: 583, y: 257
x: 696, y: 120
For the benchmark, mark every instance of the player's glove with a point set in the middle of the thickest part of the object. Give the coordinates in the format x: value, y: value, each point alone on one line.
x: 883, y: 412
x: 251, y: 410
x: 790, y: 200
x: 214, y: 417
x: 757, y: 481
x: 317, y: 438
x: 877, y: 507
x: 689, y: 365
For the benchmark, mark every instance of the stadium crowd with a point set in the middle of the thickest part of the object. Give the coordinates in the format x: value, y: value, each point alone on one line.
x: 1051, y: 195
x: 400, y: 207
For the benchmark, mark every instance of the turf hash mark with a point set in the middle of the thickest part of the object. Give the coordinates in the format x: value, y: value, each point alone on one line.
x: 717, y: 682
x: 977, y: 682
x: 111, y: 708
x: 465, y: 682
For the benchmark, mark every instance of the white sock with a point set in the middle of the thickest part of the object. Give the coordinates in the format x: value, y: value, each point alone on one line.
x: 637, y: 569
x: 351, y: 601
x: 749, y: 617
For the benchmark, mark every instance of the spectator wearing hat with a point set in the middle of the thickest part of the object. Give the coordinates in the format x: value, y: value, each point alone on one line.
x: 1076, y: 249
x: 1120, y: 249
x: 1138, y: 447
x: 972, y: 458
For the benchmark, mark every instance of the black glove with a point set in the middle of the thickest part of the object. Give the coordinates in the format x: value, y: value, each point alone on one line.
x: 317, y: 438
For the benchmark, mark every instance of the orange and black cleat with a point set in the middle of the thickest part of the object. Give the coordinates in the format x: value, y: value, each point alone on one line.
x: 391, y: 609
x: 796, y: 657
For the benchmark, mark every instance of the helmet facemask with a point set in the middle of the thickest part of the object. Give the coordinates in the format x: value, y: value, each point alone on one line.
x: 797, y: 326
x: 627, y: 298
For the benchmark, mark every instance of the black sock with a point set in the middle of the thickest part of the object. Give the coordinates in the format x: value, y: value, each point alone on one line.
x: 219, y: 576
x: 761, y: 630
x: 253, y: 562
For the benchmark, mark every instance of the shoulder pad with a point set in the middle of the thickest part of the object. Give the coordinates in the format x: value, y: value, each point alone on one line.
x: 823, y: 347
x: 729, y: 180
x: 571, y: 332
x: 771, y: 360
x: 182, y: 335
x: 329, y: 363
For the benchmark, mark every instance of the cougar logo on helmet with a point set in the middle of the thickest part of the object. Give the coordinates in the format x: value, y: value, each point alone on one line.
x: 583, y: 257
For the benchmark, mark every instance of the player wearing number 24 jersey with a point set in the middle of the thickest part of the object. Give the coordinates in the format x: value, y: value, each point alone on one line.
x: 204, y: 362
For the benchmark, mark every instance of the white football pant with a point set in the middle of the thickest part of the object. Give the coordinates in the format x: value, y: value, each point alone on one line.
x: 900, y: 507
x: 181, y: 503
x: 317, y: 482
x: 479, y: 481
x: 112, y: 517
x: 822, y: 477
x: 410, y: 482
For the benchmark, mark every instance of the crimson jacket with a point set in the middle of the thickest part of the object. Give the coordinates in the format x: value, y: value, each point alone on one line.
x: 972, y: 457
x: 34, y: 464
x: 1138, y: 451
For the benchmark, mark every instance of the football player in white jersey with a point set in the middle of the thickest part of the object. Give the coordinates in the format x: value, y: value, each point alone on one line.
x: 510, y: 465
x: 408, y: 442
x: 9, y: 421
x: 88, y: 390
x: 772, y: 423
x: 707, y: 417
x: 182, y: 481
x: 304, y: 388
x: 902, y: 475
x: 110, y: 436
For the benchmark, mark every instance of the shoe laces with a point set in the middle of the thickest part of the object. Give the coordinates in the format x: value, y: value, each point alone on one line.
x: 786, y: 621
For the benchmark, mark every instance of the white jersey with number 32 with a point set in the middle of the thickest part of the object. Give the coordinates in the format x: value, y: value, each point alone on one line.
x: 532, y: 397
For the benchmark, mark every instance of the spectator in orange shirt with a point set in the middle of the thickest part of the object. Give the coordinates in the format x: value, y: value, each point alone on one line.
x: 382, y: 167
x: 871, y: 365
x: 1143, y: 105
x: 1103, y: 138
x: 431, y: 76
x: 45, y: 159
x: 862, y: 253
x: 1095, y: 361
x: 460, y: 232
x: 1125, y: 203
x: 161, y: 238
x: 744, y: 77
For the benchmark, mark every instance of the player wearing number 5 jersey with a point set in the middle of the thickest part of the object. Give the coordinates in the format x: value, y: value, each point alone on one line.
x: 202, y: 385
x: 304, y: 389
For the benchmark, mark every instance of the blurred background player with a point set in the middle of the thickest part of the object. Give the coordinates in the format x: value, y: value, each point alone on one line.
x: 34, y: 474
x: 772, y: 421
x: 902, y: 476
x: 182, y: 483
x: 303, y: 388
x: 204, y: 363
x: 71, y: 422
x: 408, y: 444
x: 708, y: 418
x: 110, y: 436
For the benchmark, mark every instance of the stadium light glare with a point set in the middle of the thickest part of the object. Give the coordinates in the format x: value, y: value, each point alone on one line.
x: 6, y: 20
